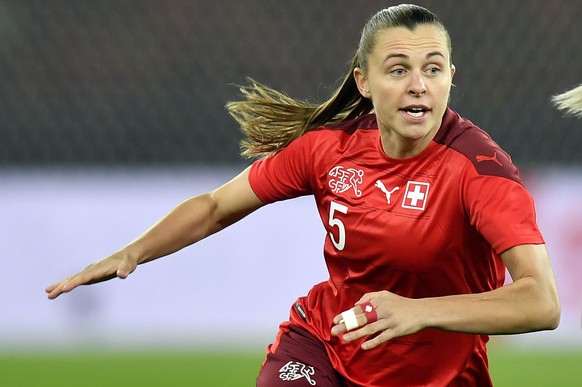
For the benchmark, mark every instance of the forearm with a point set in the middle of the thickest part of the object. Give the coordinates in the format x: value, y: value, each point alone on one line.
x: 195, y: 219
x: 530, y: 303
x: 522, y: 306
x: 189, y: 222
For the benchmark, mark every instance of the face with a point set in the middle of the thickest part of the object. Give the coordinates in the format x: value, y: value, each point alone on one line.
x: 408, y: 79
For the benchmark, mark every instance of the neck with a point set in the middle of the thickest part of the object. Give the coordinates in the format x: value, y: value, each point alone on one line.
x: 398, y: 147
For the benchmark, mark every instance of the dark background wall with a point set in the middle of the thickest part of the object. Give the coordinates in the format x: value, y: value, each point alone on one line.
x: 107, y: 82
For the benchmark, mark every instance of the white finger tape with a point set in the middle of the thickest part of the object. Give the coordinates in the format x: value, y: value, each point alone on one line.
x: 349, y: 318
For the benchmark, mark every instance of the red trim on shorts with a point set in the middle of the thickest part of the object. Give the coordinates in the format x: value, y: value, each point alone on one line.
x: 272, y: 348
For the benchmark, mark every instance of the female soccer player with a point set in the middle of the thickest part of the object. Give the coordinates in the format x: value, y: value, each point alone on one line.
x: 423, y: 212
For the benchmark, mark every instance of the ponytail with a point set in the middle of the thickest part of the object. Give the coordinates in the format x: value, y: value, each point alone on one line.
x: 270, y: 119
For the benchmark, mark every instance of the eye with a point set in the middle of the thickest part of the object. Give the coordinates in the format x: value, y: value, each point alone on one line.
x: 433, y: 70
x: 398, y: 72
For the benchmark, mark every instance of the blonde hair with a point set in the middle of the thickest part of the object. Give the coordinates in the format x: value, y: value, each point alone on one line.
x: 570, y: 101
x: 270, y: 119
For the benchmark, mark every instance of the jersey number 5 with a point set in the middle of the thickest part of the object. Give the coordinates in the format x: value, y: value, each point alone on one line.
x: 340, y: 243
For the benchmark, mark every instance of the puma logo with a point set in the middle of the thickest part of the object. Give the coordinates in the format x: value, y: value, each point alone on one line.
x: 493, y: 158
x: 382, y: 187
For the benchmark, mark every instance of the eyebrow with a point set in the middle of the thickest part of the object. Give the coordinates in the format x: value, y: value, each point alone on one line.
x: 404, y: 56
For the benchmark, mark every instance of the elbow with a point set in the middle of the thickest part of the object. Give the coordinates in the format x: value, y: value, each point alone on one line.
x: 543, y: 314
x: 551, y: 312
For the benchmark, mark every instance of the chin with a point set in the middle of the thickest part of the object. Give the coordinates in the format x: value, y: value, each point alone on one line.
x: 417, y: 132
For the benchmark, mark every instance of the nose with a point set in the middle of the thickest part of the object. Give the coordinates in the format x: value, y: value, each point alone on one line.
x: 417, y: 85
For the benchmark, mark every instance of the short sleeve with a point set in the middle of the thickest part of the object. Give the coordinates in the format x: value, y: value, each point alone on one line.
x: 285, y: 175
x: 502, y: 210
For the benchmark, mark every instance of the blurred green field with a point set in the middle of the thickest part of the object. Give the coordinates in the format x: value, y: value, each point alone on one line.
x: 147, y: 368
x: 232, y: 369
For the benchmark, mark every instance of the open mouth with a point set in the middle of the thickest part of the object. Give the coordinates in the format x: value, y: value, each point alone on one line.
x: 416, y: 111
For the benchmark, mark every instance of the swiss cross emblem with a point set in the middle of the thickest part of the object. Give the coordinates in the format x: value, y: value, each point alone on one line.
x: 415, y: 195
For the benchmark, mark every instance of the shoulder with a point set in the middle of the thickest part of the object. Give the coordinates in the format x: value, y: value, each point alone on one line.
x: 344, y: 133
x: 343, y: 129
x: 365, y: 122
x: 336, y: 138
x: 476, y: 146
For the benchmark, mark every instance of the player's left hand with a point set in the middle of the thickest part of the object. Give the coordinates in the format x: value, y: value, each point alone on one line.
x: 396, y: 316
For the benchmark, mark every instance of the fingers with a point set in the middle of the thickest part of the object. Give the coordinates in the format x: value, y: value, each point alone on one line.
x: 377, y: 340
x: 94, y: 273
x: 379, y: 317
x: 356, y: 317
x: 377, y: 332
x: 71, y: 283
x: 369, y: 311
x: 68, y: 284
x: 362, y: 321
x: 59, y: 288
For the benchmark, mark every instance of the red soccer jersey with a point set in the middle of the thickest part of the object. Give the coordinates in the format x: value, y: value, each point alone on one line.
x: 431, y: 225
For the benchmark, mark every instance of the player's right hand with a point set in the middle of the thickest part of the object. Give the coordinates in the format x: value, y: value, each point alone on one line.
x: 117, y: 265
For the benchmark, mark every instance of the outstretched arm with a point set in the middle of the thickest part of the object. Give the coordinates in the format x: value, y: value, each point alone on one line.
x: 191, y: 221
x: 529, y: 303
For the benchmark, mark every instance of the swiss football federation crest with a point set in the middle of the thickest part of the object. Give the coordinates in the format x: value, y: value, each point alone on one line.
x: 346, y: 178
x: 415, y: 195
x: 296, y: 370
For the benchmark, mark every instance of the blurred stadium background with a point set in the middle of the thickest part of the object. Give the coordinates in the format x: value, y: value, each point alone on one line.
x: 112, y: 112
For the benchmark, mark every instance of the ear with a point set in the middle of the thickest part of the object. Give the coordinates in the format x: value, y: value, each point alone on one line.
x: 362, y: 82
x: 453, y: 69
